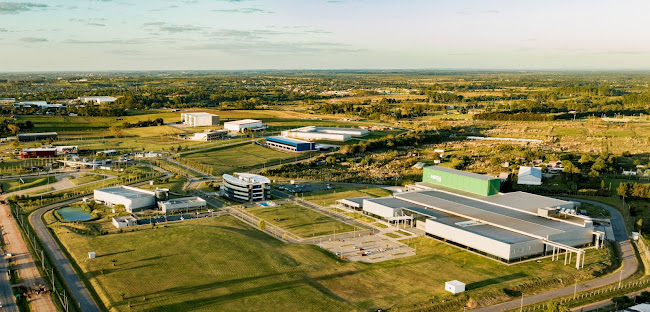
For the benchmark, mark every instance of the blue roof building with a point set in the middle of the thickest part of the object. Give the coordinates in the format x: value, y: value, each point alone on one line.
x: 289, y: 144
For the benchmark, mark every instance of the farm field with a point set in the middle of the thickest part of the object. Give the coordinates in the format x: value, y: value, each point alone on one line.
x: 300, y: 220
x: 222, y: 264
x: 242, y: 157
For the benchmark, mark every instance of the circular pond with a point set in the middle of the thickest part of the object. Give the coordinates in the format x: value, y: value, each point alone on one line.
x: 74, y: 214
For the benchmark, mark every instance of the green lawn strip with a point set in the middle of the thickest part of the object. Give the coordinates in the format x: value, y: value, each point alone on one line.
x: 86, y: 179
x: 9, y: 186
x: 300, y: 220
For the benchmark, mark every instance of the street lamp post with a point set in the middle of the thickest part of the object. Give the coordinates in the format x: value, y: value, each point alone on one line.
x: 521, y: 307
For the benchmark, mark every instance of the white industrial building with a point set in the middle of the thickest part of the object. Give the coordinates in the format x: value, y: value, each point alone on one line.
x: 132, y: 198
x: 209, y: 135
x: 199, y: 119
x: 182, y: 204
x: 313, y: 133
x: 246, y: 187
x: 529, y: 176
x: 508, y: 227
x: 242, y: 125
x: 97, y: 99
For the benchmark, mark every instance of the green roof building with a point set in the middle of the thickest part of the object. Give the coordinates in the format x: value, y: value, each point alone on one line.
x: 461, y: 180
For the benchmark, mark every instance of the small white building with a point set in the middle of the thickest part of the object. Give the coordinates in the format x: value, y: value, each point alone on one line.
x: 122, y: 222
x: 199, y: 119
x: 91, y: 255
x: 241, y: 125
x: 529, y: 176
x: 455, y: 287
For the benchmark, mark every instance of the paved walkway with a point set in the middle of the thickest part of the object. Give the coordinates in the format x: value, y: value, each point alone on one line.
x: 23, y: 262
x: 629, y: 266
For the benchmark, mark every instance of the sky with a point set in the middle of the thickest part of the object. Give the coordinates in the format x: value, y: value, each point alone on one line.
x: 117, y: 35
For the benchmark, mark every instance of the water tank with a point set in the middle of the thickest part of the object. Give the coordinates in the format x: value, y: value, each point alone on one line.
x: 162, y: 194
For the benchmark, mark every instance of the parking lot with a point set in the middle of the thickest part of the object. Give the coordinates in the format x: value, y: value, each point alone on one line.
x: 305, y: 187
x: 178, y: 217
x: 368, y: 248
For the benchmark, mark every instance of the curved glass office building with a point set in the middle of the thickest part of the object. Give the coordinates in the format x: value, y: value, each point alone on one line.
x: 246, y: 187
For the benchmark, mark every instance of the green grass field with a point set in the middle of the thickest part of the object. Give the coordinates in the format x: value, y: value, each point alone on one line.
x: 300, y: 220
x: 329, y: 197
x: 239, y: 158
x: 9, y: 186
x: 221, y: 264
x: 86, y: 179
x: 174, y: 184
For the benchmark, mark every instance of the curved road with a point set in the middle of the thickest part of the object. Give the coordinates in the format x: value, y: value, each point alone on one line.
x: 629, y: 266
x: 79, y: 291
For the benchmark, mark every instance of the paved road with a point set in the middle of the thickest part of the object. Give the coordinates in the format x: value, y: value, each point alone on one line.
x: 630, y: 266
x: 24, y: 263
x: 6, y: 295
x: 78, y: 289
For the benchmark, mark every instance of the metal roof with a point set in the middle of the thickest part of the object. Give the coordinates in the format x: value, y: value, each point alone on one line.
x: 486, y: 230
x: 125, y: 191
x: 532, y: 171
x: 392, y: 202
x: 462, y: 173
x: 36, y: 134
x: 355, y: 201
x: 505, y: 218
x: 242, y: 122
x: 287, y: 141
x: 525, y: 201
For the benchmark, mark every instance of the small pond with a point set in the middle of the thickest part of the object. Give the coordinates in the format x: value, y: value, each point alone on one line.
x: 74, y: 214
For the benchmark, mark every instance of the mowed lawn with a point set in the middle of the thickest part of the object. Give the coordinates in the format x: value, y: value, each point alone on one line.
x: 221, y: 264
x: 243, y: 157
x: 300, y: 220
x: 329, y: 197
x: 15, y: 184
x: 86, y: 179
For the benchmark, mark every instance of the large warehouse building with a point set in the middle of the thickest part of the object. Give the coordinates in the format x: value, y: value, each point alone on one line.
x: 465, y: 210
x: 242, y: 125
x: 312, y: 133
x: 132, y: 198
x: 199, y: 119
x: 246, y: 187
x: 289, y: 144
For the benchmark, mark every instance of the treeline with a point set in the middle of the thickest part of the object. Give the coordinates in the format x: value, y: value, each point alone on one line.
x: 385, y: 109
x: 13, y: 127
x: 633, y: 190
x: 144, y: 123
x: 412, y: 138
x: 443, y: 97
x: 509, y: 116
